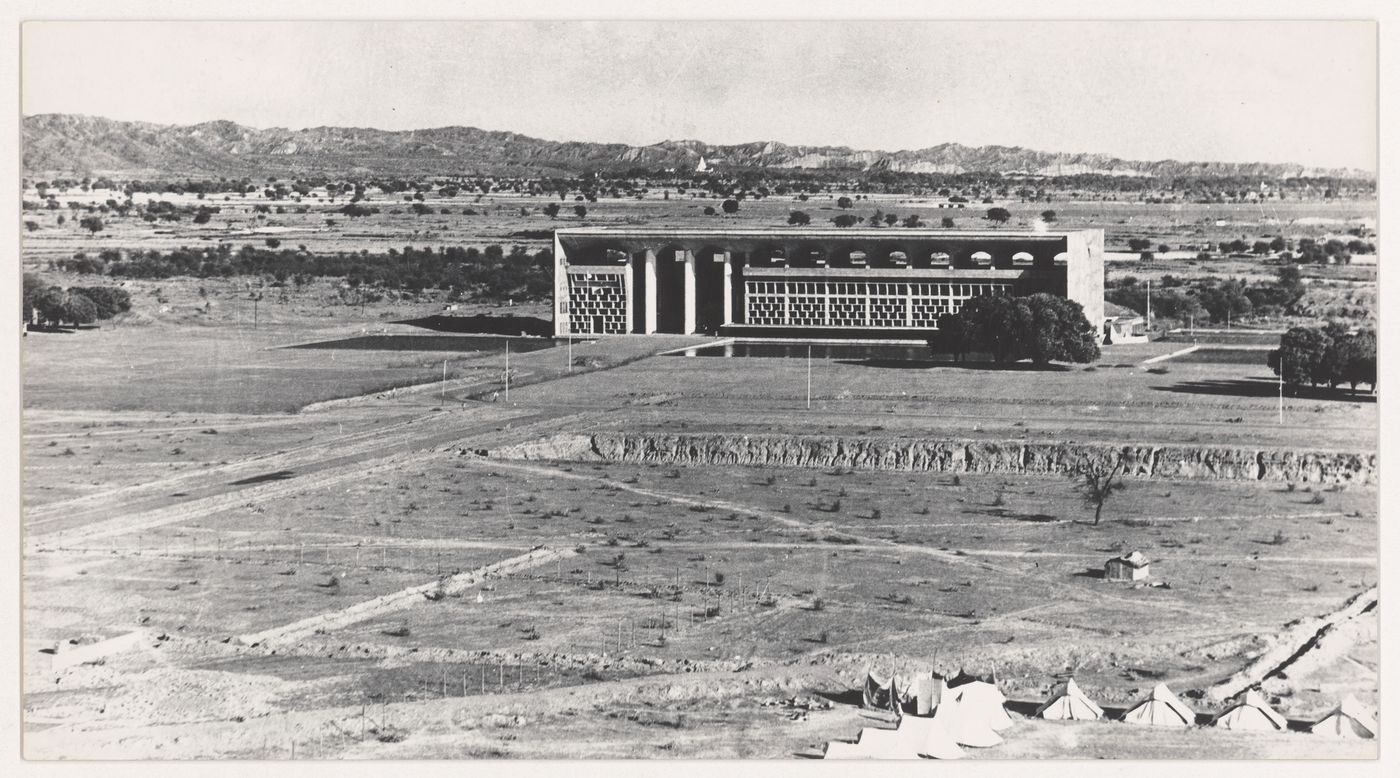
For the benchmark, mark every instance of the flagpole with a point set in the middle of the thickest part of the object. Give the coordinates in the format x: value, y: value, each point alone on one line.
x: 507, y: 370
x: 1280, y: 388
x: 1149, y: 309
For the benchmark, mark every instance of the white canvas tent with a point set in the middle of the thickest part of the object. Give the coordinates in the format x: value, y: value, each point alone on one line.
x: 1068, y: 703
x: 879, y: 743
x: 925, y: 737
x: 915, y: 738
x: 1161, y: 708
x: 983, y: 701
x: 836, y: 749
x: 1348, y: 720
x: 969, y: 719
x: 1252, y: 713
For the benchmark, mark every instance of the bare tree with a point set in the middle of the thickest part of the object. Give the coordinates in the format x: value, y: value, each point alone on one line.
x: 1097, y: 481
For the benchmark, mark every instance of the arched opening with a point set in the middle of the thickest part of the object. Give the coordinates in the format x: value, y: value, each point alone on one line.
x: 940, y: 259
x: 808, y: 255
x: 1022, y: 259
x: 896, y: 258
x: 768, y: 255
x: 980, y: 259
x: 615, y: 256
x: 848, y: 256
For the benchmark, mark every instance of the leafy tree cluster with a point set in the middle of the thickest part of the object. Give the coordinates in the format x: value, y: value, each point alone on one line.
x: 55, y: 306
x: 1210, y: 299
x: 1327, y: 355
x: 1041, y: 327
x: 491, y: 273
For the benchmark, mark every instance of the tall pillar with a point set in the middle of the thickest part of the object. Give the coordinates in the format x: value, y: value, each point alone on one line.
x: 728, y: 288
x: 628, y: 290
x: 689, y: 293
x: 649, y: 293
x: 561, y: 290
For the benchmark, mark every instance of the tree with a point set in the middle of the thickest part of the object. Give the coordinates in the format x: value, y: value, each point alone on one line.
x: 1096, y: 484
x: 33, y: 286
x: 844, y: 202
x: 273, y: 243
x: 998, y: 215
x: 1048, y: 217
x: 551, y: 210
x: 580, y: 211
x: 845, y: 220
x: 948, y: 223
x: 1059, y: 331
x: 92, y: 224
x: 1351, y: 359
x: 891, y: 219
x: 49, y: 304
x: 78, y: 309
x: 799, y: 218
x: 1299, y: 357
x: 912, y: 221
x: 110, y: 300
x: 1042, y: 327
x: 709, y: 210
x: 730, y: 206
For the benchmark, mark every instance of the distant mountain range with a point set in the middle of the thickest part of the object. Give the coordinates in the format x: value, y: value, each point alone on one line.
x: 74, y: 145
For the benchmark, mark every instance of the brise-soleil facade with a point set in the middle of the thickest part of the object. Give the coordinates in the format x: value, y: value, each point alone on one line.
x: 889, y: 283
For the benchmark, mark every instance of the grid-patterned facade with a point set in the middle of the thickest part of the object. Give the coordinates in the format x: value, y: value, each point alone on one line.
x: 597, y: 304
x: 859, y: 304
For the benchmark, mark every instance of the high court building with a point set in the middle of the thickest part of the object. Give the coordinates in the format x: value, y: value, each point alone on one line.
x: 889, y: 283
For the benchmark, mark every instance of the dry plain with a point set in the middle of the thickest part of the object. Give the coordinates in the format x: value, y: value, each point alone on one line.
x: 189, y: 478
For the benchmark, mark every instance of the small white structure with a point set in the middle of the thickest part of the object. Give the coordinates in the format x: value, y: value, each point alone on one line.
x: 1122, y: 325
x: 1348, y: 720
x: 702, y: 167
x: 1253, y: 713
x: 1068, y: 703
x: 1129, y: 567
x: 1161, y: 708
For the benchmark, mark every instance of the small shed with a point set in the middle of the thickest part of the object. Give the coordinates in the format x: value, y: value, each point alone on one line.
x: 1129, y: 567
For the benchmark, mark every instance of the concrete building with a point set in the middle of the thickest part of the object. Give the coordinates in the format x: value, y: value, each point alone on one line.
x: 890, y: 283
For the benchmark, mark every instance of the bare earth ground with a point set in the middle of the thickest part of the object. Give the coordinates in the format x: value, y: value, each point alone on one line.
x: 172, y: 488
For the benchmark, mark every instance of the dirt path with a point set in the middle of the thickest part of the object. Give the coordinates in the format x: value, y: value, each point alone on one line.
x: 404, y: 598
x: 1294, y: 643
x: 315, y: 468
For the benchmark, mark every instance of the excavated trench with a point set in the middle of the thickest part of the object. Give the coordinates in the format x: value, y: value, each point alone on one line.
x: 951, y: 456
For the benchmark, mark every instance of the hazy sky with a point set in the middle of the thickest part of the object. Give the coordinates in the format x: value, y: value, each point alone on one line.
x: 1231, y: 91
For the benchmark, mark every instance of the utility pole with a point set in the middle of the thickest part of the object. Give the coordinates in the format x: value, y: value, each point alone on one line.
x: 507, y: 371
x: 809, y: 377
x: 569, y: 368
x: 1280, y: 388
x: 442, y: 395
